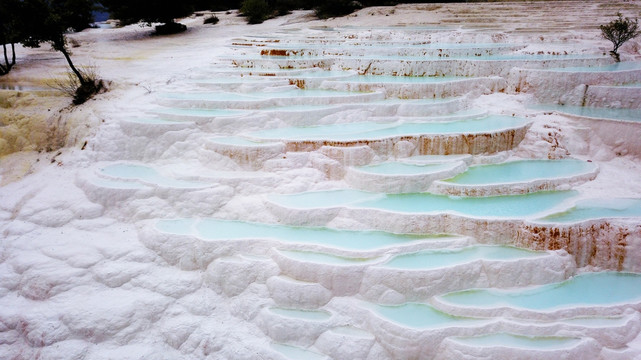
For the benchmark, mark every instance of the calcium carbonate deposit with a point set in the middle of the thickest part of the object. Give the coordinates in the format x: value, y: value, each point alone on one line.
x: 423, y: 181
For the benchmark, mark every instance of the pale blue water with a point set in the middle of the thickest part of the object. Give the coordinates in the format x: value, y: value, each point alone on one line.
x: 598, y: 209
x: 155, y: 121
x: 387, y: 45
x: 436, y: 158
x: 505, y: 206
x: 147, y: 174
x: 322, y: 258
x: 177, y: 226
x: 201, y: 112
x: 115, y: 184
x: 379, y: 57
x: 399, y: 168
x: 593, y: 289
x: 215, y: 229
x: 622, y: 66
x: 432, y: 259
x: 19, y: 87
x: 299, y: 108
x: 312, y: 315
x: 323, y: 199
x: 212, y: 96
x: 307, y: 93
x: 322, y: 74
x: 323, y: 131
x: 519, y: 341
x: 237, y: 80
x: 594, y: 112
x: 469, y: 126
x: 372, y: 131
x: 238, y: 141
x: 387, y: 79
x: 421, y: 316
x: 522, y: 170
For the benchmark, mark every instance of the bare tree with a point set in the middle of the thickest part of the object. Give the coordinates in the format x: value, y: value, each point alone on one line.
x: 618, y: 31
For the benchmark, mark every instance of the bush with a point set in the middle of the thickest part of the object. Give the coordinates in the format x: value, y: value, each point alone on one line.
x: 81, y: 92
x: 618, y: 31
x: 335, y: 8
x: 256, y: 11
x: 213, y: 20
x: 170, y: 28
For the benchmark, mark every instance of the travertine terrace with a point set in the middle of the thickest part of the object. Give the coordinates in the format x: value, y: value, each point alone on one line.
x: 424, y: 181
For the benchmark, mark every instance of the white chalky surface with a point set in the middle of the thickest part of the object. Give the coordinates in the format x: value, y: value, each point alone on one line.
x: 84, y: 274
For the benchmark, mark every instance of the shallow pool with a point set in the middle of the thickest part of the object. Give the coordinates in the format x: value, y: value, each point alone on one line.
x: 421, y: 316
x: 329, y: 259
x: 147, y: 174
x: 597, y: 209
x: 215, y: 229
x: 622, y: 66
x: 311, y: 315
x: 372, y: 130
x: 522, y: 170
x: 594, y: 112
x: 400, y: 168
x: 504, y: 206
x: 519, y: 341
x: 387, y: 79
x: 431, y: 259
x: 203, y: 113
x: 593, y: 289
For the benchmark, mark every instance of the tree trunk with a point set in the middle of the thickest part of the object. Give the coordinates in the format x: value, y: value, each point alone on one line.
x: 615, y: 55
x: 4, y: 69
x: 60, y: 46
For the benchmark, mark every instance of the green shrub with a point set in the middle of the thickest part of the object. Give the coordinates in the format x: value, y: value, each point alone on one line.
x: 213, y: 20
x: 256, y: 11
x: 335, y: 8
x: 618, y: 31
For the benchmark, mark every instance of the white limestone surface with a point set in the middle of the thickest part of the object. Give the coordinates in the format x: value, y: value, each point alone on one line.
x: 85, y: 275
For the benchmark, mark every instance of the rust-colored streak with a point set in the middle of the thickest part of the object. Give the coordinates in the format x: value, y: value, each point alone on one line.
x: 600, y: 244
x: 274, y: 52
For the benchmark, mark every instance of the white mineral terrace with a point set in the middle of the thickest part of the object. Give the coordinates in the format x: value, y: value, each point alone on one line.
x: 424, y: 181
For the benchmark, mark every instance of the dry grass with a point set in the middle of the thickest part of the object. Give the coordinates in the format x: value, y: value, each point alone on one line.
x: 70, y: 83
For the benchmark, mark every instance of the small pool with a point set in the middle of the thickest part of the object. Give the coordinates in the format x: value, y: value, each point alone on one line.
x: 421, y: 316
x: 504, y: 206
x: 521, y: 171
x: 589, y: 209
x: 147, y: 174
x: 308, y: 93
x: 388, y: 79
x: 200, y: 113
x: 432, y: 259
x: 593, y: 289
x: 594, y: 112
x: 239, y: 141
x: 519, y: 341
x: 155, y: 121
x: 403, y: 168
x: 211, y: 96
x: 328, y: 259
x: 373, y: 131
x: 215, y: 229
x: 310, y: 315
x: 371, y: 45
x: 437, y: 159
x: 622, y: 66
